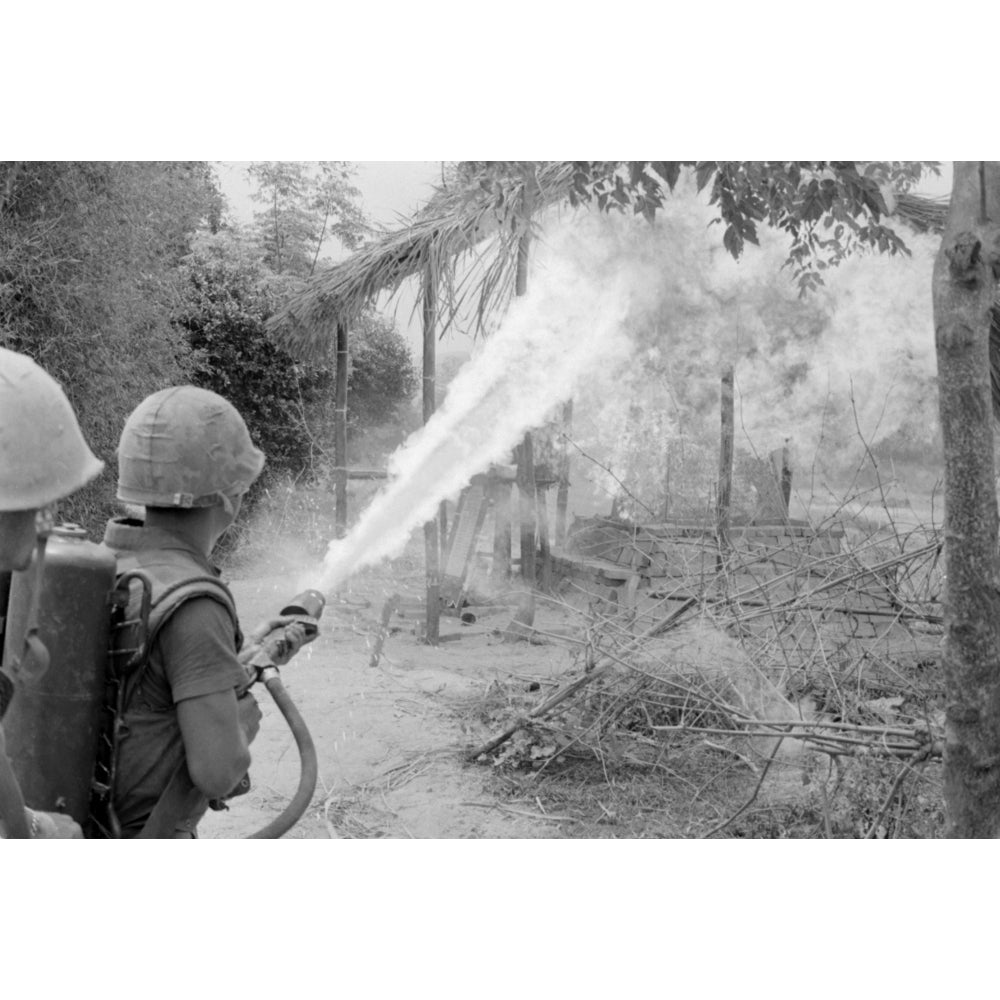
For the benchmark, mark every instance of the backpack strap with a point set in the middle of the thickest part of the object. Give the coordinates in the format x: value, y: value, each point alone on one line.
x: 162, y: 609
x: 144, y: 609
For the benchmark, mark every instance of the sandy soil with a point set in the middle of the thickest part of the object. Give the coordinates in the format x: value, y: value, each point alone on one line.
x: 389, y: 738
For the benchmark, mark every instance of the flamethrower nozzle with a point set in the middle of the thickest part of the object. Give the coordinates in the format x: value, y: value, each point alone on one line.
x: 304, y: 609
x: 309, y: 603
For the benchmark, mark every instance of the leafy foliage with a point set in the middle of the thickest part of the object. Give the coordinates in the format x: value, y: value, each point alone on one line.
x: 88, y: 255
x: 288, y: 404
x: 829, y: 208
x: 382, y: 375
x: 228, y: 299
x: 302, y: 206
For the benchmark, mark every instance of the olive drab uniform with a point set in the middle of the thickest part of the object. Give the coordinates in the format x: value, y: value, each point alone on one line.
x: 183, y: 448
x: 149, y: 747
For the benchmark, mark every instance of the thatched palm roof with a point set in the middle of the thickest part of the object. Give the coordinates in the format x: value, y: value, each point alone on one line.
x: 925, y: 215
x: 455, y: 223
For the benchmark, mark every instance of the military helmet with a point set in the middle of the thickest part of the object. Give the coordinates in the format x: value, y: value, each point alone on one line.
x: 185, y: 447
x: 43, y: 456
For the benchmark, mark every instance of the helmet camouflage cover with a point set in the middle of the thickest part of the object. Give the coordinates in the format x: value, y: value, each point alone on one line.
x: 185, y: 447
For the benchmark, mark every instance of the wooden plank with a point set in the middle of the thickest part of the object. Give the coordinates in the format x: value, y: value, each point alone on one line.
x: 462, y: 542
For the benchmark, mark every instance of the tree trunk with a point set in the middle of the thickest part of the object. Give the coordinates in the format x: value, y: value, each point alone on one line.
x: 432, y: 552
x: 340, y: 433
x: 964, y: 288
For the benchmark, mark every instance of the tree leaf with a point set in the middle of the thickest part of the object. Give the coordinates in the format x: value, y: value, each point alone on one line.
x: 704, y: 172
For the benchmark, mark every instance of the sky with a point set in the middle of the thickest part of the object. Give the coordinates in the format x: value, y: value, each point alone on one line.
x: 390, y: 189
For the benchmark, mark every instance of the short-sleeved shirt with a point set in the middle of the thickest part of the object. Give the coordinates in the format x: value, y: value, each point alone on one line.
x: 193, y: 655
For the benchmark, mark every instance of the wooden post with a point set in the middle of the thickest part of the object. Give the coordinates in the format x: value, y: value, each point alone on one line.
x: 781, y: 469
x: 340, y: 433
x: 443, y: 531
x: 526, y: 508
x: 432, y: 551
x: 667, y: 458
x: 501, y: 492
x: 544, y: 549
x: 786, y: 477
x: 391, y: 603
x: 724, y: 495
x: 524, y: 617
x: 562, y: 491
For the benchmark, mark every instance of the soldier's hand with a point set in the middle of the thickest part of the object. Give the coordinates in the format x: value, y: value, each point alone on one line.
x: 266, y: 627
x: 294, y: 638
x: 281, y: 637
x: 53, y: 826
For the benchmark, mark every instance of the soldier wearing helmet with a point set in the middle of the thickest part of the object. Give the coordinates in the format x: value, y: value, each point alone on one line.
x: 185, y: 455
x: 43, y: 458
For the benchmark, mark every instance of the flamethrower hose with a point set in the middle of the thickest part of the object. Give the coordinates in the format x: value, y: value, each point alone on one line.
x: 309, y: 767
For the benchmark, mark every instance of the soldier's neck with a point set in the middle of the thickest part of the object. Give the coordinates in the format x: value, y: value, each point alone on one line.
x: 198, y: 525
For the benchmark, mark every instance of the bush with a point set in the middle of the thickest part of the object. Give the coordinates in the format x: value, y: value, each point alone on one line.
x: 228, y: 297
x: 88, y: 257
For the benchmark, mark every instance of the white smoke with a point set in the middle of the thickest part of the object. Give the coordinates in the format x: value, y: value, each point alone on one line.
x: 634, y: 317
x: 592, y: 278
x: 850, y: 365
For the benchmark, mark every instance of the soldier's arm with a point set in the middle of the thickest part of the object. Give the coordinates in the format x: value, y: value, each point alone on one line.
x: 215, y: 743
x: 205, y: 677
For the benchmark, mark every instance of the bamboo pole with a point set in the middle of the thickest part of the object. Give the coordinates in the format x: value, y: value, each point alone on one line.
x: 340, y: 433
x: 432, y: 551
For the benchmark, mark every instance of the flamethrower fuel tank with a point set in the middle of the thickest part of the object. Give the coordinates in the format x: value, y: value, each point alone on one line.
x: 52, y: 724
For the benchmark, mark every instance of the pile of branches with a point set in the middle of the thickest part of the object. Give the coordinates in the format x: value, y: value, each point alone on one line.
x: 636, y: 697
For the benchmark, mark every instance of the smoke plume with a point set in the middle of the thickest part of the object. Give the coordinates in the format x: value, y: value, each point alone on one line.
x: 640, y: 320
x: 592, y: 280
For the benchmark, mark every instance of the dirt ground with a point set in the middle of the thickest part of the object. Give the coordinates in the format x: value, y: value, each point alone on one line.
x: 392, y: 739
x: 389, y: 738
